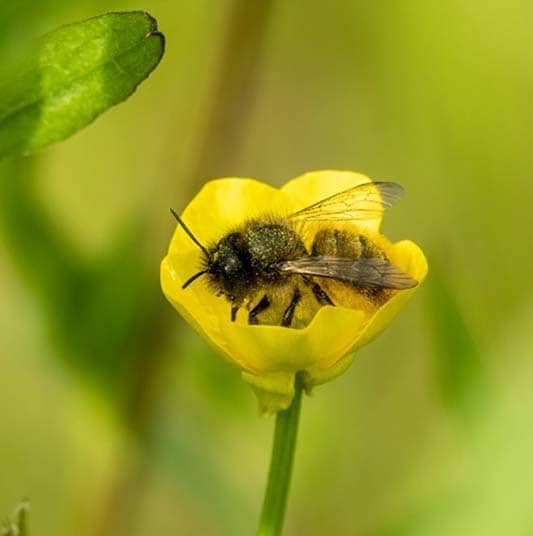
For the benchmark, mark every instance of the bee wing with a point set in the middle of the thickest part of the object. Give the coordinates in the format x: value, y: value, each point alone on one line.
x: 364, y: 202
x: 364, y: 272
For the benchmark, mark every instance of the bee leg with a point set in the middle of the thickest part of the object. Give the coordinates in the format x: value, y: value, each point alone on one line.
x: 263, y: 304
x: 321, y: 296
x: 234, y: 309
x: 286, y: 319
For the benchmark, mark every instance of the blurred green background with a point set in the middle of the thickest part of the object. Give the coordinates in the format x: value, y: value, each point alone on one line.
x: 117, y: 419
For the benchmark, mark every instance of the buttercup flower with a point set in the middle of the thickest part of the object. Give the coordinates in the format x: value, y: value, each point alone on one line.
x: 271, y: 355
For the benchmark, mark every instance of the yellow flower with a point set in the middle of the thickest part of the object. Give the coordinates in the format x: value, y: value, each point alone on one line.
x: 270, y: 356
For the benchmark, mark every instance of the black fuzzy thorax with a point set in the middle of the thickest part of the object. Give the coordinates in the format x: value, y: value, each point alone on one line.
x: 270, y: 243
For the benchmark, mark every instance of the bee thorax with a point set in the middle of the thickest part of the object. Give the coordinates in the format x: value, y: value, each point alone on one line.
x: 269, y: 245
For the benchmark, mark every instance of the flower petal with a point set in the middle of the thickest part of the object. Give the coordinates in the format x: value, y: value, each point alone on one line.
x: 410, y: 258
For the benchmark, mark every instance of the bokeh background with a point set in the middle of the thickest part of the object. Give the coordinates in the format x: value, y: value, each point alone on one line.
x: 115, y: 418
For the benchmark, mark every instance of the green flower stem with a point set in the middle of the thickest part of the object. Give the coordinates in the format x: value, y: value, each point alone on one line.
x: 279, y: 476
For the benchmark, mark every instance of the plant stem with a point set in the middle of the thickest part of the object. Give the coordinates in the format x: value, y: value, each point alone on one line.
x: 279, y: 475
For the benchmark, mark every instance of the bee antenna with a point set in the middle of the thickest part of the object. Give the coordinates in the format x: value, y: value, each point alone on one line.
x: 193, y: 278
x: 191, y: 236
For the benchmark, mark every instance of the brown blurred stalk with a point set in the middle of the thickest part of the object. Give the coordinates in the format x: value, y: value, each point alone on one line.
x: 237, y: 69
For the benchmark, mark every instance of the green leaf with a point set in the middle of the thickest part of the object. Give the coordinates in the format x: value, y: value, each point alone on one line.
x: 72, y: 76
x: 17, y: 525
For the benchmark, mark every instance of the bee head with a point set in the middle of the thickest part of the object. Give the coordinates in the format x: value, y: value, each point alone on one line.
x: 230, y: 267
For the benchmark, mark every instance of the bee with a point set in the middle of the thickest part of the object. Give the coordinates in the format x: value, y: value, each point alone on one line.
x: 265, y: 264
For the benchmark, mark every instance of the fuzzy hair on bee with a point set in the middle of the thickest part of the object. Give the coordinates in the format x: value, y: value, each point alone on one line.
x: 282, y: 269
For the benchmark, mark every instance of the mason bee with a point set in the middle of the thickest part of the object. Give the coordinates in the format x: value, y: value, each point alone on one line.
x: 265, y: 265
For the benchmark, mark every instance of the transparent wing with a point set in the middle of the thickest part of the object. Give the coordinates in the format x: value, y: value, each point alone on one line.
x: 364, y: 202
x: 364, y: 272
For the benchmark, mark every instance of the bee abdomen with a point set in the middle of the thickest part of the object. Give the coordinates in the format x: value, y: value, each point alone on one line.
x: 347, y: 245
x: 344, y: 244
